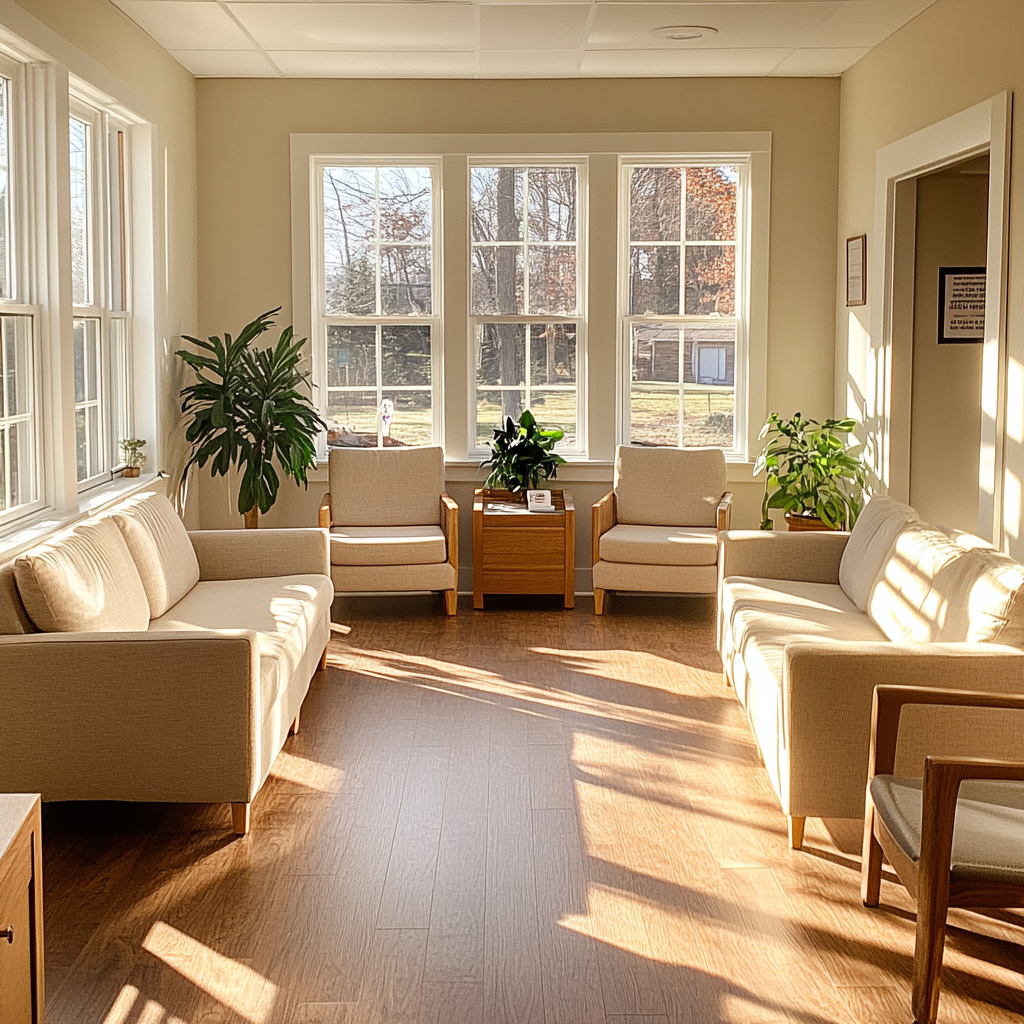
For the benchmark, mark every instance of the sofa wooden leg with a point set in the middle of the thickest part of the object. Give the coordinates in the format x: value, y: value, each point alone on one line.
x: 599, y: 596
x: 796, y: 832
x: 323, y: 660
x: 240, y: 818
x: 451, y: 602
x: 293, y: 729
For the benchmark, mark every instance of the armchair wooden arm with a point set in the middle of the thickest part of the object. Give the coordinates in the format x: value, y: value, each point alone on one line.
x: 724, y: 512
x: 324, y: 520
x: 603, y: 519
x: 450, y: 529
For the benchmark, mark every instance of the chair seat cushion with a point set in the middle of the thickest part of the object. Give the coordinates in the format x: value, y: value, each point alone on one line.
x: 988, y: 837
x: 660, y: 545
x: 387, y: 545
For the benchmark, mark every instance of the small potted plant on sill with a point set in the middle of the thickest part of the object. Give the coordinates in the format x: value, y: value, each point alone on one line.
x: 134, y: 456
x: 813, y: 473
x: 522, y: 455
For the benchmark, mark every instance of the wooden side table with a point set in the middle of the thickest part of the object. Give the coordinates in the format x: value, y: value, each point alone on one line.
x: 21, y: 909
x: 516, y: 551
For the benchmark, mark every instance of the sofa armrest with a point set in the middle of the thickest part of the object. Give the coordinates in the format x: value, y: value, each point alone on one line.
x: 806, y: 557
x: 131, y: 716
x: 324, y: 512
x: 602, y: 520
x: 255, y: 554
x: 723, y: 514
x: 450, y: 529
x: 828, y: 690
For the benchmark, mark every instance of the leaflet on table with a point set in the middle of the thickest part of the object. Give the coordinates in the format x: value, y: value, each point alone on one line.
x: 540, y: 501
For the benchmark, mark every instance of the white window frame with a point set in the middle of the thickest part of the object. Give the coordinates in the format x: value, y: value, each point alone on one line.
x: 321, y: 319
x: 579, y: 318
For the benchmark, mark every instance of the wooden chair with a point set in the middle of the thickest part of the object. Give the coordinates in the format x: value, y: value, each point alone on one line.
x: 948, y: 849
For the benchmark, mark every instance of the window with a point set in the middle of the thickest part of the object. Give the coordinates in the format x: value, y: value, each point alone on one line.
x: 526, y: 295
x: 99, y: 288
x: 379, y: 318
x: 683, y: 303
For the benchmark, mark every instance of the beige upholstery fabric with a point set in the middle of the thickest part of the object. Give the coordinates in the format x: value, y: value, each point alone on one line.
x: 807, y: 557
x: 387, y: 545
x: 980, y: 596
x: 669, y: 486
x: 257, y: 554
x: 13, y: 617
x: 873, y: 534
x: 159, y: 545
x: 660, y: 545
x: 83, y: 580
x: 382, y: 578
x: 386, y: 486
x: 657, y: 579
x: 988, y: 836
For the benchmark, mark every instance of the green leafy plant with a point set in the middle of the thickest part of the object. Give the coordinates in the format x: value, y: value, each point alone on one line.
x: 812, y: 470
x: 522, y: 456
x: 248, y: 409
x: 131, y: 449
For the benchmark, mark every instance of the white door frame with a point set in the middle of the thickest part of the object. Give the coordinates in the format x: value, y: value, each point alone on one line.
x: 984, y: 128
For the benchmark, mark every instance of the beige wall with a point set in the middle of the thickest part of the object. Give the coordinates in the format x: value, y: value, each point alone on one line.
x: 245, y: 218
x: 945, y: 438
x: 145, y: 78
x: 955, y: 54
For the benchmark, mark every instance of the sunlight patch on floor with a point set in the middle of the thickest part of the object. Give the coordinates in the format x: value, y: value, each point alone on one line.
x: 304, y: 772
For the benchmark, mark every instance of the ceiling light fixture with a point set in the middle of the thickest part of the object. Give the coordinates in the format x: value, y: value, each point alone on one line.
x: 684, y: 33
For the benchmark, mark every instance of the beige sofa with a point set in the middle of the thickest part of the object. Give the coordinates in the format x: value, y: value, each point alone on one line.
x: 141, y: 662
x: 810, y: 623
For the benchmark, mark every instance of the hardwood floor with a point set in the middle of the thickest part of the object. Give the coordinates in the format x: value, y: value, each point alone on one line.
x: 518, y: 816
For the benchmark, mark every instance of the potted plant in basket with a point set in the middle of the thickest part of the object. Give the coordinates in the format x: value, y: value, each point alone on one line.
x: 134, y: 456
x: 522, y: 455
x: 813, y: 473
x: 249, y: 410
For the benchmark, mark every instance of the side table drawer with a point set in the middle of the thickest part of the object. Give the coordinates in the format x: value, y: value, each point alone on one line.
x: 16, y: 914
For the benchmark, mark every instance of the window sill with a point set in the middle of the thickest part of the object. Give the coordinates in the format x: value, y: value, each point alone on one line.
x: 32, y: 530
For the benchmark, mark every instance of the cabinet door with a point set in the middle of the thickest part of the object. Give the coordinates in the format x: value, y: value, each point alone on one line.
x: 16, y: 956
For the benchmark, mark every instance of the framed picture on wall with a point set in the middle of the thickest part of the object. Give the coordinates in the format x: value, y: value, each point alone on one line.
x: 961, y: 305
x: 856, y: 270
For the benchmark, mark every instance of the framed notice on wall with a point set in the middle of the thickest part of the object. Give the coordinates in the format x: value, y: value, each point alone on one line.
x: 856, y: 270
x: 961, y: 305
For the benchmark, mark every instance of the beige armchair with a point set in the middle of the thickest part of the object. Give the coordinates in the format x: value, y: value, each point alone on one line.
x: 391, y: 525
x: 657, y: 530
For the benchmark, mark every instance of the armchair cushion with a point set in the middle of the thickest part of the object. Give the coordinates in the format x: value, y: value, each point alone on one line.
x: 83, y: 580
x: 386, y: 486
x: 877, y: 527
x: 988, y: 837
x: 660, y: 545
x: 387, y: 545
x: 669, y: 486
x: 160, y: 547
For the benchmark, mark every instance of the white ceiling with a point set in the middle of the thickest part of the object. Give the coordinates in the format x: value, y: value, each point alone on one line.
x: 515, y: 38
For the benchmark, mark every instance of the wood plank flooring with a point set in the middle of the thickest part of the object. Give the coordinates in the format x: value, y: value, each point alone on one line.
x: 518, y: 816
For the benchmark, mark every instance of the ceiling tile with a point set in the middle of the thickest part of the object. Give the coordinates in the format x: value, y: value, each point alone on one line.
x: 369, y: 64
x: 179, y: 25
x: 528, y: 64
x: 350, y: 26
x: 820, y: 62
x: 865, y: 22
x: 674, y: 63
x: 534, y: 27
x: 224, y: 63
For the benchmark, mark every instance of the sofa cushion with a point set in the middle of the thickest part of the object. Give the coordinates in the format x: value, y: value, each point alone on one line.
x: 668, y: 486
x: 660, y: 545
x: 873, y: 535
x: 386, y: 486
x: 159, y: 545
x: 82, y: 581
x: 981, y: 597
x: 387, y: 545
x: 282, y: 610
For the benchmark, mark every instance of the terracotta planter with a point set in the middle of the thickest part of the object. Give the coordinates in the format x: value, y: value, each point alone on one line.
x: 798, y: 522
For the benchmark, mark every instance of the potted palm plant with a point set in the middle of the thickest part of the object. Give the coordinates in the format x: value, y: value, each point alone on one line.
x: 522, y: 455
x: 813, y: 473
x: 249, y: 409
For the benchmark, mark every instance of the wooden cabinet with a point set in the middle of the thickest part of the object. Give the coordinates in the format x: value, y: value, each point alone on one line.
x: 516, y: 551
x: 21, y: 910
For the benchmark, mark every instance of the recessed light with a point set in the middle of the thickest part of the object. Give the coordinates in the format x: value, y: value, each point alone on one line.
x: 684, y: 33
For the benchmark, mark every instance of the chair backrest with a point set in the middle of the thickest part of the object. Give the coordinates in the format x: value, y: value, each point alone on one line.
x: 668, y: 486
x: 386, y: 486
